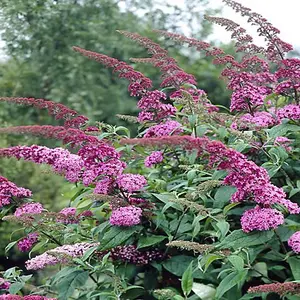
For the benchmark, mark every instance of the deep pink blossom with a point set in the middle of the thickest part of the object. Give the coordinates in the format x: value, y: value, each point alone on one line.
x: 277, y: 288
x: 126, y: 216
x: 26, y: 243
x: 4, y: 285
x: 248, y: 96
x: 60, y: 111
x: 130, y: 254
x: 261, y: 219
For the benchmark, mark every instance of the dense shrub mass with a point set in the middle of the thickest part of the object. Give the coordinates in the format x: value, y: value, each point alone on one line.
x: 202, y: 204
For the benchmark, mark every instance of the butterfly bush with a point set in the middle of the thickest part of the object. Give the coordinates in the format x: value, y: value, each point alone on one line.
x: 206, y: 198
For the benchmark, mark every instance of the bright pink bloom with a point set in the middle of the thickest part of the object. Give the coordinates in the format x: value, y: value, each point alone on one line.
x: 131, y: 182
x: 126, y: 216
x: 294, y: 242
x: 261, y: 219
x: 33, y: 208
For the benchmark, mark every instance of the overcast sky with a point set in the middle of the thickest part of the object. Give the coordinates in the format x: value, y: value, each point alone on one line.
x: 283, y: 14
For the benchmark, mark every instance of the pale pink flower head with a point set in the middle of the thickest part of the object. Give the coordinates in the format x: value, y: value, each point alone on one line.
x: 10, y: 297
x: 294, y: 242
x: 131, y: 182
x: 283, y: 142
x: 126, y: 216
x: 33, y: 208
x: 261, y: 219
x: 59, y: 255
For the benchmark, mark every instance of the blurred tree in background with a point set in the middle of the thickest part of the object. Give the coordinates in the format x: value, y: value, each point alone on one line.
x: 39, y: 35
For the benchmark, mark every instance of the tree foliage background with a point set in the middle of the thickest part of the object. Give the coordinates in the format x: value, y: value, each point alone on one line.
x: 40, y: 63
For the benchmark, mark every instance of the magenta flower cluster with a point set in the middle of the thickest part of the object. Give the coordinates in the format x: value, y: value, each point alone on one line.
x: 130, y: 254
x: 261, y: 219
x: 169, y: 127
x: 131, y: 182
x: 153, y: 108
x: 26, y: 243
x: 154, y: 158
x: 32, y: 208
x: 29, y: 297
x: 4, y: 285
x: 61, y: 160
x: 126, y: 216
x: 69, y: 215
x: 294, y: 242
x: 59, y: 255
x: 9, y: 189
x: 251, y: 181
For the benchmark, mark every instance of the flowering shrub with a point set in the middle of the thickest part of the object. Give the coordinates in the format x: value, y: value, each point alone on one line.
x: 202, y: 204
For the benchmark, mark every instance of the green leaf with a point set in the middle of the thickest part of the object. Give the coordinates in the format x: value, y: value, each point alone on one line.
x: 294, y: 263
x: 115, y: 236
x: 237, y: 262
x: 177, y: 264
x: 230, y: 281
x: 260, y: 269
x: 282, y: 129
x: 223, y: 196
x: 230, y: 206
x: 223, y: 227
x: 9, y: 246
x: 67, y: 286
x: 187, y: 280
x: 205, y: 292
x: 88, y: 253
x: 146, y: 241
x: 239, y: 239
x: 208, y: 259
x: 16, y: 287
